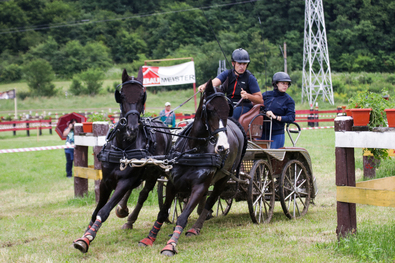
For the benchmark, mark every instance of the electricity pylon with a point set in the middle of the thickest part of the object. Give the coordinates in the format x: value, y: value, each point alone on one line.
x: 317, y: 78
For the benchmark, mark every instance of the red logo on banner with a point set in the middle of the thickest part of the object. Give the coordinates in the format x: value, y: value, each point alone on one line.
x: 151, y: 76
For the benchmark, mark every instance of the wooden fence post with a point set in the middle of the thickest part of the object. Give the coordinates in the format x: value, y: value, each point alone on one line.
x: 345, y: 176
x: 81, y: 160
x: 98, y: 129
x: 369, y: 166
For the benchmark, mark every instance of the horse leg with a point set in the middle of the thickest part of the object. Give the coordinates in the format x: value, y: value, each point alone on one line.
x: 122, y: 208
x: 197, y: 194
x: 83, y: 243
x: 162, y: 216
x: 149, y: 185
x: 218, y: 188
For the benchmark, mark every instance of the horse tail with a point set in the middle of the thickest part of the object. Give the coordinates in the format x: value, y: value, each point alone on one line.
x: 244, y: 146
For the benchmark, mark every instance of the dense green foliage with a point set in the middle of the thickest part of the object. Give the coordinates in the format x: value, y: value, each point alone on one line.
x: 39, y: 75
x: 75, y: 35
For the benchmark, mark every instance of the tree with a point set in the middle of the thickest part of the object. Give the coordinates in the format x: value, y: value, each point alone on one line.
x: 38, y: 75
x: 88, y: 82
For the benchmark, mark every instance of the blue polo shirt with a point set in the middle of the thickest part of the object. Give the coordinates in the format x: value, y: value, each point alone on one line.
x: 252, y: 82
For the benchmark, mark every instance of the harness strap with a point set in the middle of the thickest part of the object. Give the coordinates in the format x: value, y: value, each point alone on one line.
x: 115, y: 155
x: 196, y: 159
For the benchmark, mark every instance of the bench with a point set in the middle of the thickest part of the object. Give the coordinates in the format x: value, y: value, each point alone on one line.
x: 252, y: 122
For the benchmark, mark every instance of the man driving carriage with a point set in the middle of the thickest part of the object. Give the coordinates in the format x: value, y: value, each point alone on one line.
x: 241, y: 84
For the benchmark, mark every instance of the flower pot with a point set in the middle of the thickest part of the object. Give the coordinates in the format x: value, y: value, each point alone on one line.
x: 348, y: 112
x: 390, y: 117
x: 87, y: 127
x: 361, y: 116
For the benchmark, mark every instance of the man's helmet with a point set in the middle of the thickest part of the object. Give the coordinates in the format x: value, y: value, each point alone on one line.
x: 281, y: 76
x: 240, y: 55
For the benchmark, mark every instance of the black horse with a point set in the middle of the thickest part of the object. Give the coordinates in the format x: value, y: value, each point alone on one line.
x: 210, y: 149
x: 132, y: 137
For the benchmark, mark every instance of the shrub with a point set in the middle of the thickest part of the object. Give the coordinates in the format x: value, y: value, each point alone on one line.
x: 97, y: 117
x: 39, y: 74
x: 22, y: 95
x: 88, y: 82
x: 11, y: 72
x: 76, y: 86
x: 391, y: 79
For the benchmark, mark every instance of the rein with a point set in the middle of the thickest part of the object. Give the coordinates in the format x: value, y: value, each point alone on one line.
x: 204, y: 109
x: 179, y: 106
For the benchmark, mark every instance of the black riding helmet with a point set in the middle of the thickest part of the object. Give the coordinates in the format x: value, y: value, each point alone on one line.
x: 240, y: 55
x: 281, y: 76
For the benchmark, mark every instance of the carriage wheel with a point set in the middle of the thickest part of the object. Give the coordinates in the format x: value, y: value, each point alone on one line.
x: 295, y: 189
x: 261, y: 192
x: 176, y: 208
x: 221, y: 206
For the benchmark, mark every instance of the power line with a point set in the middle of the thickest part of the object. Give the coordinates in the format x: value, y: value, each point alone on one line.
x: 87, y: 21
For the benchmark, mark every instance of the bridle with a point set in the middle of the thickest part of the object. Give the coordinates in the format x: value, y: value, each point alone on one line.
x: 124, y: 120
x: 206, y: 101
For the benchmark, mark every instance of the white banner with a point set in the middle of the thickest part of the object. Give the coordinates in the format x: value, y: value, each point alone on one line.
x: 172, y: 75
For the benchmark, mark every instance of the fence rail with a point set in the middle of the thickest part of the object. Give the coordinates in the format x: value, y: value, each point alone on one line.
x: 27, y: 126
x: 312, y: 117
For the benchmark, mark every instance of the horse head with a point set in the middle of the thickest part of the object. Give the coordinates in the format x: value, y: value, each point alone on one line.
x: 131, y: 97
x: 215, y: 109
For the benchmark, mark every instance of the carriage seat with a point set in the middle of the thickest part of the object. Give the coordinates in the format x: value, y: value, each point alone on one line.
x: 256, y: 125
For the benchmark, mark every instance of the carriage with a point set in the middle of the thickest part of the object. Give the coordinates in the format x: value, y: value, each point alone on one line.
x: 212, y: 150
x: 267, y: 176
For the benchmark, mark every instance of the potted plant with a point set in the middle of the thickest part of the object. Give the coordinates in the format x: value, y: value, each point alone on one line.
x: 366, y: 100
x: 377, y: 104
x: 390, y: 112
x: 390, y: 116
x: 87, y: 126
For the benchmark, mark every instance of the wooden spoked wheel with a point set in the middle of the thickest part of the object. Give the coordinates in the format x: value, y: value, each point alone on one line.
x: 295, y: 189
x: 223, y: 206
x: 261, y: 192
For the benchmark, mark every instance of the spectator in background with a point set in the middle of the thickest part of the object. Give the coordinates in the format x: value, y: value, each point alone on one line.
x: 167, y: 116
x: 280, y: 107
x: 69, y: 132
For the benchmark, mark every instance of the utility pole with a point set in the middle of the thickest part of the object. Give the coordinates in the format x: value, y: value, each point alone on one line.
x: 285, y: 57
x: 221, y: 66
x: 317, y: 78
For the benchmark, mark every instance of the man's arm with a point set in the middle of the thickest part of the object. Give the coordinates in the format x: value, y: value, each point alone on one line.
x: 255, y: 97
x: 216, y: 82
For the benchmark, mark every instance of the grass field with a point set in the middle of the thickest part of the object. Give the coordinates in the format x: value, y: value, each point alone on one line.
x: 104, y: 101
x: 39, y: 218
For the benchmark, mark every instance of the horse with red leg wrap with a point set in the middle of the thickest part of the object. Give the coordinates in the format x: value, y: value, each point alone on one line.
x: 132, y: 137
x: 210, y: 149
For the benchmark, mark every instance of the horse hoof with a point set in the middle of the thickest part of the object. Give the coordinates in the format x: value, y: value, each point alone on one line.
x: 167, y: 253
x: 142, y: 245
x: 81, y: 246
x: 169, y: 250
x: 192, y: 232
x: 120, y: 212
x: 146, y: 242
x: 127, y: 226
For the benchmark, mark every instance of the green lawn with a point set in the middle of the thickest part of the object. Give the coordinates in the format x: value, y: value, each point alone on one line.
x: 39, y: 218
